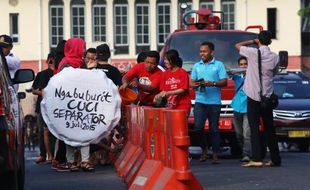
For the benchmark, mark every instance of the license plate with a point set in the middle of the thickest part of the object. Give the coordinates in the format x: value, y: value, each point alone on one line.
x: 297, y: 134
x: 224, y: 123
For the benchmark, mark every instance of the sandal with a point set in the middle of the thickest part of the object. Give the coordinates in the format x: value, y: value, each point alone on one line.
x: 204, y: 156
x: 87, y: 167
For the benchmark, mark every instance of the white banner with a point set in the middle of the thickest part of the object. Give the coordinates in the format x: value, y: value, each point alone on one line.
x: 81, y: 106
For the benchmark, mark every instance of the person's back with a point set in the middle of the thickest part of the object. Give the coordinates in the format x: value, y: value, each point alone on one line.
x: 102, y: 55
x: 258, y: 84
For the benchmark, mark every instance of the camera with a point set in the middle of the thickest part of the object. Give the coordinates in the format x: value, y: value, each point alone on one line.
x: 202, y: 85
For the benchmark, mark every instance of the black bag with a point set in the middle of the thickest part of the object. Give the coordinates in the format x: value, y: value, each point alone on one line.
x: 265, y: 102
x: 272, y: 101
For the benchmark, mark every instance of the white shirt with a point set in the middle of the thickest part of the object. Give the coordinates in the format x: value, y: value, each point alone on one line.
x: 270, y: 62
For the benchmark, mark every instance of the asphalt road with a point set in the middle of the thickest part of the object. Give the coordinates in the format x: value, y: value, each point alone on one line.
x: 229, y: 175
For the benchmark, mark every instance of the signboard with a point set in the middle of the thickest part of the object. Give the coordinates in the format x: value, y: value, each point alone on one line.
x: 81, y: 106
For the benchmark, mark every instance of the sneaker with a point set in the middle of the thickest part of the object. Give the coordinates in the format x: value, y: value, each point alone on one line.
x: 40, y: 160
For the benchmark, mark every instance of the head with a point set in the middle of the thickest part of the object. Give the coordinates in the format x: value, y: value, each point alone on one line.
x: 75, y: 48
x: 59, y: 52
x: 206, y: 51
x: 50, y: 60
x: 90, y: 57
x: 103, y: 52
x: 242, y: 62
x: 264, y: 37
x: 151, y: 61
x: 6, y: 43
x: 172, y: 59
x: 141, y: 57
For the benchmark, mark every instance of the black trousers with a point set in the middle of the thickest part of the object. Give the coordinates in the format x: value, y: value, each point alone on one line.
x: 255, y: 112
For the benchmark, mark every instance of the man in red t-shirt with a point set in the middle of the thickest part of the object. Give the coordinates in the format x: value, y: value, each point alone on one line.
x: 149, y: 76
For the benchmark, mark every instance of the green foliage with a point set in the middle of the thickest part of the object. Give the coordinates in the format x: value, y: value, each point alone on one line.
x: 305, y: 12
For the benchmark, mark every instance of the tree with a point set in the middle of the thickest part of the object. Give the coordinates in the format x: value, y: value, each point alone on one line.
x: 305, y: 12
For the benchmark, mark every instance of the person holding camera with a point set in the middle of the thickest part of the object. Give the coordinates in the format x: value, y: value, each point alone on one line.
x: 208, y: 76
x: 257, y: 85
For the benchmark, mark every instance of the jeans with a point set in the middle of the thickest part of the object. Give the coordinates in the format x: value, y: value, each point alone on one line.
x: 243, y: 133
x: 202, y: 112
x: 255, y: 112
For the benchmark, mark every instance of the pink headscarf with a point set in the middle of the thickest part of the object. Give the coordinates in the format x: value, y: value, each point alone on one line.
x: 74, y: 49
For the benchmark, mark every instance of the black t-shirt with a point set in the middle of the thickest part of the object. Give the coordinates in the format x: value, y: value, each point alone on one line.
x: 40, y: 82
x: 112, y: 73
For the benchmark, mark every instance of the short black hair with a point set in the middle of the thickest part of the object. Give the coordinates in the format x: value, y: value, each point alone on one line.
x: 141, y: 57
x: 154, y: 54
x: 209, y: 44
x: 91, y: 50
x: 51, y: 55
x: 103, y: 52
x: 242, y: 58
x: 264, y: 37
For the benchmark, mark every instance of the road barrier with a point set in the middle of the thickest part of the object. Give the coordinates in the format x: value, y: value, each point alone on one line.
x: 156, y: 154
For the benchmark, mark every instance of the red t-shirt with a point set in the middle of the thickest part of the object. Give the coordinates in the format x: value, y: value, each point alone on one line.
x: 177, y: 80
x: 146, y: 78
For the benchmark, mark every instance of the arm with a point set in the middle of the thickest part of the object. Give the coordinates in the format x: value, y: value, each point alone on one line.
x: 147, y: 88
x: 125, y: 82
x: 13, y: 62
x: 220, y: 83
x: 37, y: 92
x: 246, y: 43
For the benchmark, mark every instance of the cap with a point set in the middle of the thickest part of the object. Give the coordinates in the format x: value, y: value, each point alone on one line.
x: 5, y: 41
x: 103, y: 52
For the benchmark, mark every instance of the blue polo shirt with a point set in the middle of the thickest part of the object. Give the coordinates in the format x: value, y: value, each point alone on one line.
x: 239, y: 102
x: 212, y: 71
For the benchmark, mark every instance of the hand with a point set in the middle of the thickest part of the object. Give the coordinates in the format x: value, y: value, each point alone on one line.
x: 134, y: 83
x: 91, y: 64
x: 123, y: 87
x: 208, y: 83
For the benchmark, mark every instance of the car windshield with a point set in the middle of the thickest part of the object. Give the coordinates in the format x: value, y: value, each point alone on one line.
x: 188, y: 44
x: 292, y: 89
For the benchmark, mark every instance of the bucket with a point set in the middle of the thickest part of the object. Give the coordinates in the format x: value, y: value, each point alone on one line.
x: 127, y: 96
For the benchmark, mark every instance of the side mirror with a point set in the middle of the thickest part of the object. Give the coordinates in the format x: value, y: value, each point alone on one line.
x: 283, y: 59
x: 23, y: 75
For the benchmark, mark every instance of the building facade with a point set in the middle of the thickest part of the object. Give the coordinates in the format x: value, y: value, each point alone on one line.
x: 132, y: 26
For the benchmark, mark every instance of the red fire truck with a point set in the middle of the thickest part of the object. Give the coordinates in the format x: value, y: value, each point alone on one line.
x: 204, y: 25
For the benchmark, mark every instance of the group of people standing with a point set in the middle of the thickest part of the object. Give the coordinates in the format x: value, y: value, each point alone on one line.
x: 154, y: 85
x: 71, y: 53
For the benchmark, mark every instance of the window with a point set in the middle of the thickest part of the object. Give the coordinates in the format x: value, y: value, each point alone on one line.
x: 56, y: 23
x: 99, y: 21
x: 272, y: 21
x: 207, y: 5
x: 14, y: 28
x: 121, y: 24
x: 163, y: 22
x: 228, y: 7
x: 78, y: 19
x: 142, y: 24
